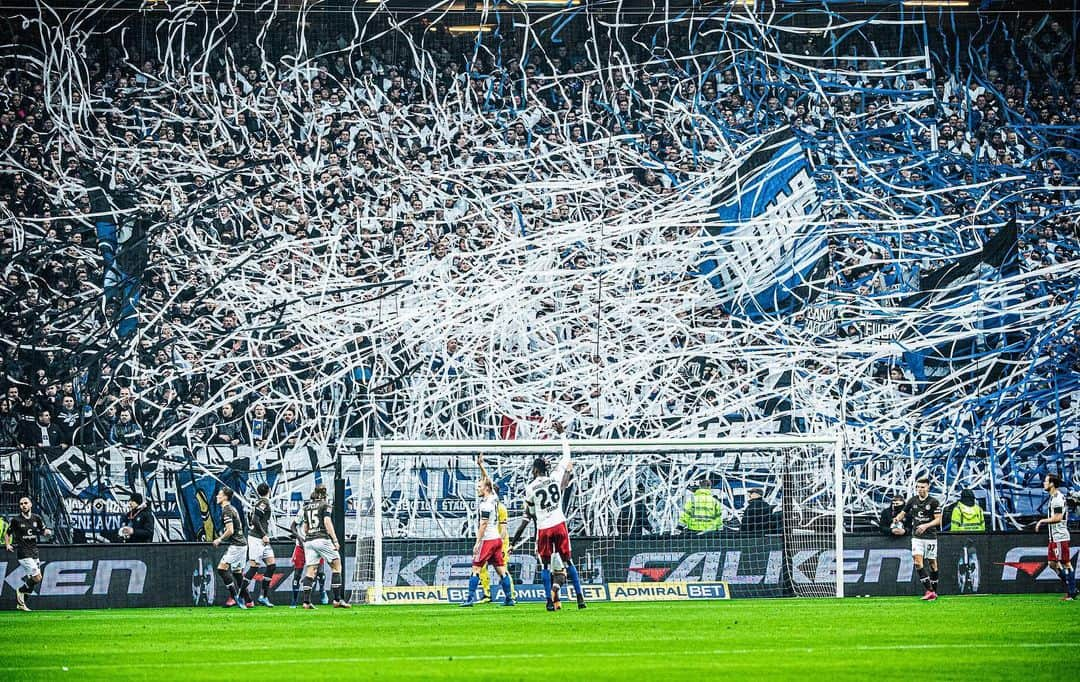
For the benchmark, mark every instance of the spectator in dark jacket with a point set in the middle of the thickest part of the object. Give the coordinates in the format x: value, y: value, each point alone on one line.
x: 68, y: 420
x: 28, y: 415
x: 886, y: 523
x: 105, y: 420
x: 42, y: 433
x: 126, y: 432
x: 139, y: 522
x: 9, y: 425
x: 230, y: 428
x: 202, y: 427
x: 258, y: 426
x: 288, y: 428
x: 757, y: 517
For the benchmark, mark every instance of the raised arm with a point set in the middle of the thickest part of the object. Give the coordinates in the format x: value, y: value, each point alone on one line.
x: 565, y: 480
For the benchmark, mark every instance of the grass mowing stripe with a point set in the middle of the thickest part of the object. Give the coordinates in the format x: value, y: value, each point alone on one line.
x: 227, y: 663
x: 994, y: 637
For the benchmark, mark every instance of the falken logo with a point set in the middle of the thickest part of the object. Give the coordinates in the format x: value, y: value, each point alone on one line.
x: 766, y: 568
x: 653, y: 574
x: 1037, y: 570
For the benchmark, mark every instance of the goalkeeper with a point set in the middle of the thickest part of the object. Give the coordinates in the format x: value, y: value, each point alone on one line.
x: 504, y: 532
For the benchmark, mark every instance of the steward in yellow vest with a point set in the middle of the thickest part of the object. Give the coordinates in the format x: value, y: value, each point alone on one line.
x: 967, y: 515
x: 702, y: 513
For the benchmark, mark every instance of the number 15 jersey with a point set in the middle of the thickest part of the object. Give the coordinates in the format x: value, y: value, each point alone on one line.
x: 543, y: 498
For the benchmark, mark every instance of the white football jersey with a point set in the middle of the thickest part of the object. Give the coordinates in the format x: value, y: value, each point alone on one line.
x: 543, y: 498
x: 489, y: 509
x: 1059, y: 531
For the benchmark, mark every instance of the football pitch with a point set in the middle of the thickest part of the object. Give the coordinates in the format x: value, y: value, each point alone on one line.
x: 976, y: 637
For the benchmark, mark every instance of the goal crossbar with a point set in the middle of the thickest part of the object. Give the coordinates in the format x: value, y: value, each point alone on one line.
x: 614, y: 445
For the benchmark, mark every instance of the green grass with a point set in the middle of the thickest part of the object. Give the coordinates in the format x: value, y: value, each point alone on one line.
x: 983, y: 637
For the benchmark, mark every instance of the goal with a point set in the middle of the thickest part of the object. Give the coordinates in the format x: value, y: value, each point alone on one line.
x: 666, y: 519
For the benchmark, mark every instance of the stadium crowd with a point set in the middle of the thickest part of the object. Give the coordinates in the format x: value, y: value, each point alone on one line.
x: 328, y: 157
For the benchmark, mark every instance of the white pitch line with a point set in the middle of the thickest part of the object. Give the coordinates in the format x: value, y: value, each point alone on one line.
x: 226, y: 663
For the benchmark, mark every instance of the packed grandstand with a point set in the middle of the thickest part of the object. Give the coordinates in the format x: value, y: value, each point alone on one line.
x: 276, y: 230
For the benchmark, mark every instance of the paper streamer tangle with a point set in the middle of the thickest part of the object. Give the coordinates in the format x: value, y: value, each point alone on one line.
x: 600, y: 222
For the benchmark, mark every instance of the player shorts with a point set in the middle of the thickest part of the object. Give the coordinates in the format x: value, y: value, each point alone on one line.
x: 1058, y: 551
x: 235, y: 556
x: 490, y: 552
x: 258, y: 550
x: 316, y: 550
x: 552, y: 540
x: 926, y: 547
x: 31, y: 566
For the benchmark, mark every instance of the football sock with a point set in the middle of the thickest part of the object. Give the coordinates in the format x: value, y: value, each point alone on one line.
x: 924, y: 578
x: 474, y: 582
x: 545, y: 575
x: 1062, y: 576
x: 244, y: 594
x: 307, y: 589
x: 506, y: 587
x: 268, y: 574
x: 485, y: 583
x: 1070, y: 580
x: 511, y: 581
x: 933, y: 580
x: 335, y: 586
x: 226, y: 577
x: 571, y: 570
x: 297, y: 576
x: 249, y: 575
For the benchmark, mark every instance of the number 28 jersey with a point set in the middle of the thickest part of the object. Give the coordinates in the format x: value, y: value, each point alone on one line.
x: 543, y: 499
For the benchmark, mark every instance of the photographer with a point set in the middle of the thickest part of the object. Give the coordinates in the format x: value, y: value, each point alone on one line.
x: 139, y: 522
x: 1072, y: 501
x: 887, y: 522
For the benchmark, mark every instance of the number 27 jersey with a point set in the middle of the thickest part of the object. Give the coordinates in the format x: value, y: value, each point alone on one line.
x: 543, y: 498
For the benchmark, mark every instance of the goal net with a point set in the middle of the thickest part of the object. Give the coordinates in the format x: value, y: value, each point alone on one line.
x: 758, y: 517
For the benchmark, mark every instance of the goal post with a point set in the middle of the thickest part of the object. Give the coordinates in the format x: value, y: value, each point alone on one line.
x: 632, y: 508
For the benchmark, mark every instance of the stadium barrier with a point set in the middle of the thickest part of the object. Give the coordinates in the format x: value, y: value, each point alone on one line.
x: 182, y: 574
